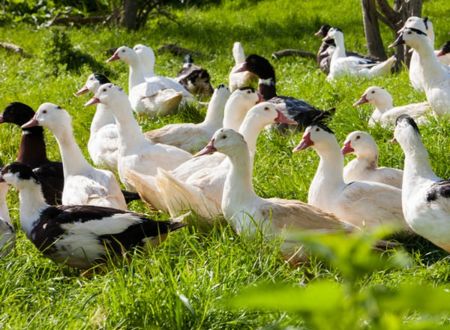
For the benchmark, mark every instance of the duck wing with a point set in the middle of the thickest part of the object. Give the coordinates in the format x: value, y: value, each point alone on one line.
x: 439, y: 192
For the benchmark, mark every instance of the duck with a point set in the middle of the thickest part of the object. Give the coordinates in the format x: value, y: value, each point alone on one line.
x: 425, y: 196
x: 147, y: 59
x: 202, y: 192
x: 365, y: 166
x: 83, y: 184
x: 362, y: 203
x: 153, y: 96
x: 195, y: 79
x: 342, y: 65
x: 33, y: 152
x: 385, y: 113
x: 135, y: 151
x: 192, y: 137
x: 80, y: 236
x: 443, y: 54
x: 7, y: 232
x: 327, y: 48
x: 236, y: 108
x: 240, y: 79
x: 436, y: 78
x: 249, y: 214
x: 298, y: 110
x: 103, y: 141
x: 416, y: 74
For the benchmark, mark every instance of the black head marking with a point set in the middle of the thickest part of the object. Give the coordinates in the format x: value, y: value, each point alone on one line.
x: 420, y: 32
x: 425, y: 21
x: 247, y: 89
x: 323, y: 126
x: 338, y: 29
x: 323, y: 30
x: 25, y: 172
x: 260, y: 66
x: 17, y: 113
x: 409, y: 120
x: 102, y: 79
x: 446, y: 48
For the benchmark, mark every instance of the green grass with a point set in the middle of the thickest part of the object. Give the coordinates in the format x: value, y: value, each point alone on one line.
x: 182, y: 283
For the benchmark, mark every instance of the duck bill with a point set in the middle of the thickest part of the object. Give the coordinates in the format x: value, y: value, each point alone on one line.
x: 305, y: 143
x: 209, y: 149
x: 347, y: 148
x: 243, y: 67
x: 282, y: 119
x: 92, y: 101
x: 399, y: 41
x: 31, y: 123
x: 115, y: 57
x: 81, y: 91
x: 362, y: 100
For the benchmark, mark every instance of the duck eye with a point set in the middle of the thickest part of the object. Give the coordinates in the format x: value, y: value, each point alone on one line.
x: 224, y: 137
x: 358, y: 137
x: 409, y: 32
x: 266, y: 108
x: 317, y: 129
x: 248, y: 92
x: 44, y: 111
x: 123, y: 50
x: 104, y: 90
x: 373, y: 92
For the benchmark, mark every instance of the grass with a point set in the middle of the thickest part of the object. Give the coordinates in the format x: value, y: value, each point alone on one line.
x: 182, y: 283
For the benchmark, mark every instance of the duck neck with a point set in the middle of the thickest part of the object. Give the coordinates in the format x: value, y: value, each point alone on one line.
x: 267, y: 88
x: 368, y: 160
x: 234, y: 115
x: 250, y: 129
x: 340, y: 47
x: 432, y: 69
x: 417, y: 162
x: 130, y: 134
x: 32, y: 203
x: 383, y: 104
x: 136, y: 74
x: 331, y: 166
x: 4, y: 212
x: 72, y: 157
x: 215, y: 114
x: 238, y: 185
x: 101, y: 118
x: 32, y: 150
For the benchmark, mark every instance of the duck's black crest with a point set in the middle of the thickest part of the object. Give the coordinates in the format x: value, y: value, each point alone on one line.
x: 409, y: 120
x: 102, y: 79
x: 323, y: 30
x: 25, y: 172
x: 260, y: 66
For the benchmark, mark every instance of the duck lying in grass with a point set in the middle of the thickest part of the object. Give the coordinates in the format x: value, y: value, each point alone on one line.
x: 425, y: 196
x: 79, y: 235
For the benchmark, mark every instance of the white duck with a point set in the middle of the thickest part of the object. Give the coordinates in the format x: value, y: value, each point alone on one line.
x: 7, y: 232
x: 362, y: 203
x: 248, y: 213
x: 240, y: 79
x: 365, y: 166
x: 146, y: 56
x: 192, y: 137
x: 343, y: 65
x: 202, y: 192
x: 425, y: 196
x: 103, y: 141
x: 153, y: 96
x: 416, y: 76
x: 436, y: 78
x: 237, y: 106
x: 135, y: 151
x: 385, y: 113
x: 83, y: 184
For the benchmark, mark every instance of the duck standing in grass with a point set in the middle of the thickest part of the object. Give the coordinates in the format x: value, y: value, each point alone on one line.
x: 83, y: 184
x: 79, y: 235
x: 425, y: 196
x: 362, y: 203
x: 365, y: 166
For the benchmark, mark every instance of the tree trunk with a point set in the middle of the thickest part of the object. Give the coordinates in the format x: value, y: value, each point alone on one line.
x: 372, y: 29
x: 130, y: 10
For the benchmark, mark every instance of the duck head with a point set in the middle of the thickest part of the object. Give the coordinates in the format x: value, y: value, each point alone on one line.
x: 224, y: 140
x: 16, y: 113
x: 125, y: 54
x: 323, y: 31
x: 411, y: 36
x: 257, y: 65
x: 93, y: 82
x: 108, y: 94
x: 333, y: 33
x: 375, y: 95
x: 316, y: 136
x: 18, y: 175
x: 267, y: 113
x: 406, y: 132
x: 50, y: 116
x: 361, y: 144
x: 146, y: 56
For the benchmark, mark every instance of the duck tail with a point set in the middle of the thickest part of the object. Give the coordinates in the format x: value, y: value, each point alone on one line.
x: 383, y: 68
x: 145, y: 186
x: 238, y: 53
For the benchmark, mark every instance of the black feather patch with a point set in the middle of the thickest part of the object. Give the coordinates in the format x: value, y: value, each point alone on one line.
x: 260, y: 66
x: 102, y: 79
x: 441, y: 188
x: 25, y: 172
x: 409, y: 120
x: 17, y: 113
